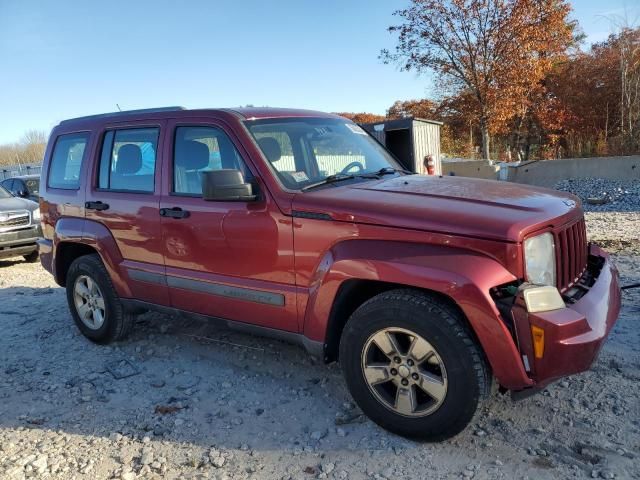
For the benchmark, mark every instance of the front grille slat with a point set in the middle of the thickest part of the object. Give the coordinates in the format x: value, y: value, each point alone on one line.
x: 15, y: 221
x: 571, y: 242
x: 575, y: 254
x: 585, y: 246
x: 564, y: 259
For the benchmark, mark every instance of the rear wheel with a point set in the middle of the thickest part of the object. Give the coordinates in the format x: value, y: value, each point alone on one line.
x: 412, y: 365
x: 32, y: 257
x: 94, y: 303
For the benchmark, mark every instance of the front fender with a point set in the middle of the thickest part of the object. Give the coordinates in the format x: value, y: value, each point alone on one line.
x: 465, y: 277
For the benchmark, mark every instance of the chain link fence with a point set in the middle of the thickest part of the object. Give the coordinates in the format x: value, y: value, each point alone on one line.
x: 16, y: 170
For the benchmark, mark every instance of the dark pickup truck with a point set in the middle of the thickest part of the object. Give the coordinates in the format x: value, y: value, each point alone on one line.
x: 19, y: 227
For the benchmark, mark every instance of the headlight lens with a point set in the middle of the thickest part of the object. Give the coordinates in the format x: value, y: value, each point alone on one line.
x: 36, y: 215
x: 540, y: 259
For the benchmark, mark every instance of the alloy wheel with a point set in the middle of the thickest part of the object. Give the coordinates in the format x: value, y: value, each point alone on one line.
x: 89, y: 302
x: 404, y: 372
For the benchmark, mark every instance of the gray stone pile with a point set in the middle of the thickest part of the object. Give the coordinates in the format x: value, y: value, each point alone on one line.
x: 604, y: 195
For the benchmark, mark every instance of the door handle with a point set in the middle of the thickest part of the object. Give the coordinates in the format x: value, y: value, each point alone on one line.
x: 175, y: 212
x: 96, y: 205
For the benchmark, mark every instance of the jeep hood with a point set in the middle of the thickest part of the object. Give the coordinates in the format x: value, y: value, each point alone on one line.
x: 452, y: 205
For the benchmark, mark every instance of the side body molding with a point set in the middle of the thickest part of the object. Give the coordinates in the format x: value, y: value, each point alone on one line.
x: 465, y: 277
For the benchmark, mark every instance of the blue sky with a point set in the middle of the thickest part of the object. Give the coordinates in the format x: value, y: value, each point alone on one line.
x: 67, y: 58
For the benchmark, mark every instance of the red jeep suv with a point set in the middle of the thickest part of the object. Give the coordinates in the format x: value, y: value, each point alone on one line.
x: 299, y: 225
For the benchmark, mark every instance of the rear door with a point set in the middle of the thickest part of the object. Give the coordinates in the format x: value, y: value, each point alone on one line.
x: 231, y: 260
x: 125, y: 197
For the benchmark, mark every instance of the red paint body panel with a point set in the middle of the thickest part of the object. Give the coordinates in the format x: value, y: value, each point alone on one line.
x: 457, y: 206
x: 457, y: 236
x: 239, y: 244
x: 425, y: 266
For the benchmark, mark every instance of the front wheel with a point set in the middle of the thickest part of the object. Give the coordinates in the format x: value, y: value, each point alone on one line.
x: 412, y: 365
x: 94, y: 303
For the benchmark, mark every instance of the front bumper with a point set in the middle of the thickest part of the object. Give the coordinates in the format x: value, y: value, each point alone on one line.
x: 19, y: 242
x: 574, y: 335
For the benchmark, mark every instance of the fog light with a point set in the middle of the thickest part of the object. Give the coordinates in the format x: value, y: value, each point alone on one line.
x: 542, y: 299
x: 538, y: 341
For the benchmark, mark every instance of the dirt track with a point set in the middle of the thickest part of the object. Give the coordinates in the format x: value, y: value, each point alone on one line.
x: 242, y: 407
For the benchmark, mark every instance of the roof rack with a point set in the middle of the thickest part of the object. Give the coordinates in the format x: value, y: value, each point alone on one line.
x: 124, y: 112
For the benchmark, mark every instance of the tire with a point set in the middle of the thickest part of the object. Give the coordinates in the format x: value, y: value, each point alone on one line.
x: 32, y: 257
x: 446, y: 361
x: 88, y: 274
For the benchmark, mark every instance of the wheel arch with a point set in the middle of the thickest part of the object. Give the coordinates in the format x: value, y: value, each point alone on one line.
x: 355, y: 292
x: 66, y: 253
x: 354, y: 271
x: 74, y: 238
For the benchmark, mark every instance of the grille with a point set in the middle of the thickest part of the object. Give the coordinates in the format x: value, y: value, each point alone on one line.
x: 571, y: 248
x: 15, y: 221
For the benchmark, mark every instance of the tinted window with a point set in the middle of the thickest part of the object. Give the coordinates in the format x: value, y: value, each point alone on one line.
x: 128, y: 160
x: 198, y: 149
x: 8, y: 184
x: 66, y: 161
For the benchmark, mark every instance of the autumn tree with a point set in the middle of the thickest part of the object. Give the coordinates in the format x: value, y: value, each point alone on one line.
x: 422, y: 108
x: 362, y: 117
x: 496, y: 50
x: 628, y: 41
x: 598, y: 91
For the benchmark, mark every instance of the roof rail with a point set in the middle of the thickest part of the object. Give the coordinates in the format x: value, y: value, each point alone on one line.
x: 123, y: 113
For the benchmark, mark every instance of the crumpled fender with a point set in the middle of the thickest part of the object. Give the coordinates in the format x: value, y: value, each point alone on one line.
x: 464, y: 276
x: 97, y: 236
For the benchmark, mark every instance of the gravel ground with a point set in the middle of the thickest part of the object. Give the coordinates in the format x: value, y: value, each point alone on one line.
x: 196, y: 402
x: 603, y: 195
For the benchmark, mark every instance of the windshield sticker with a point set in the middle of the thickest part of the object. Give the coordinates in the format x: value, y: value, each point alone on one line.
x: 300, y: 176
x: 355, y: 128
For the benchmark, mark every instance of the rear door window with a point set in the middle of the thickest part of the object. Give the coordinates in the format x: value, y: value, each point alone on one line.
x: 128, y: 160
x: 66, y: 161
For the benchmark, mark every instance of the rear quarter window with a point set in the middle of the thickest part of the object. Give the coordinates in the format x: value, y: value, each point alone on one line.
x: 66, y: 161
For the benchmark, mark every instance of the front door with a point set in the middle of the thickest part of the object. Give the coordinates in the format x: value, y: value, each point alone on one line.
x: 125, y: 197
x: 231, y: 260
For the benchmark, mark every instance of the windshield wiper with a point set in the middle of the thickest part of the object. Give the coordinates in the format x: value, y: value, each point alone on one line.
x: 390, y: 170
x: 337, y: 177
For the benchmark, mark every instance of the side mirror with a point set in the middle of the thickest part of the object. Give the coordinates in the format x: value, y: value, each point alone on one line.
x: 226, y: 185
x: 23, y: 193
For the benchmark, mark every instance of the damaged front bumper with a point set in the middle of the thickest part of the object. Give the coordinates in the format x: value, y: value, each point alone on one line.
x: 565, y: 341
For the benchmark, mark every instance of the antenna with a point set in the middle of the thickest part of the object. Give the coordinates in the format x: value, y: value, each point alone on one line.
x: 119, y: 109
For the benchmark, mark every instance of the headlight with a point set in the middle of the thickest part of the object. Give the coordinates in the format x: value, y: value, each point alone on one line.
x: 540, y: 259
x: 35, y: 215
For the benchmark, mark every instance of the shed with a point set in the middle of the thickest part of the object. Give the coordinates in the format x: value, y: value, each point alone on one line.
x: 410, y: 140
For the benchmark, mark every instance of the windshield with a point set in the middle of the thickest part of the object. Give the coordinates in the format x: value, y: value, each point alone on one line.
x: 4, y: 193
x: 304, y: 151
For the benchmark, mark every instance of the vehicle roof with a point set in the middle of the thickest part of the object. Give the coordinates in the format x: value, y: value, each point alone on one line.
x: 241, y: 113
x: 273, y: 112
